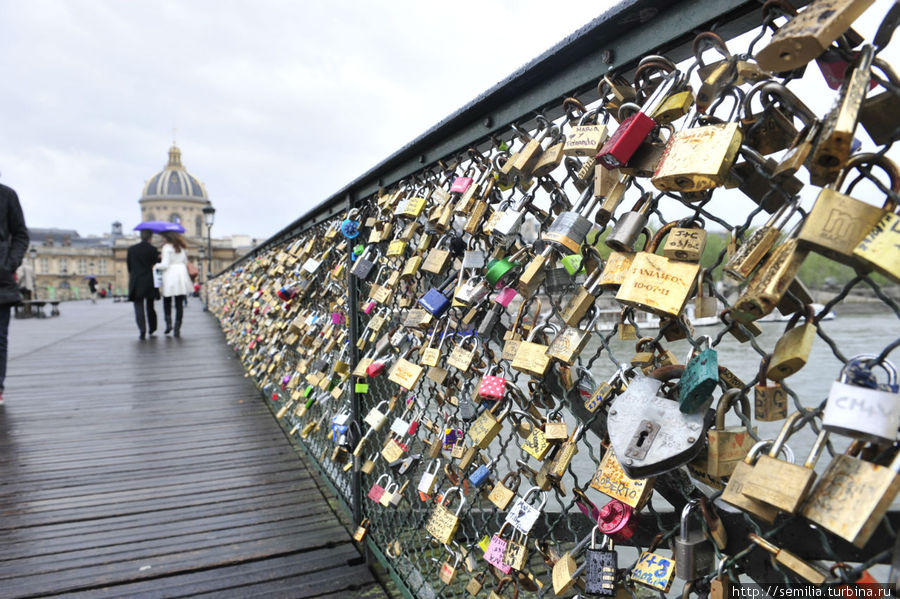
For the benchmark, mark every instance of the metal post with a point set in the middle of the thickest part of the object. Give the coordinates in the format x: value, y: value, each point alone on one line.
x: 33, y: 253
x: 208, y: 266
x: 353, y: 318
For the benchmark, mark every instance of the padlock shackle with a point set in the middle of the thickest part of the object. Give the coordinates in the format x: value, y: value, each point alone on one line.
x: 880, y: 160
x: 783, y: 434
x: 726, y: 402
x: 660, y: 234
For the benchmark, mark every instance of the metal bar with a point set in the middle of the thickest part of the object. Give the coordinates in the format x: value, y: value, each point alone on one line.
x: 353, y: 334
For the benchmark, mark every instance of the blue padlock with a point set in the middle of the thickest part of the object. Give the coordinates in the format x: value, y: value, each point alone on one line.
x: 481, y: 475
x: 435, y: 299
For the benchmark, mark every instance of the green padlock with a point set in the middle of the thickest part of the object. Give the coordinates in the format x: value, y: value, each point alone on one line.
x: 499, y: 270
x: 699, y: 379
x: 574, y: 264
x: 358, y: 249
x: 308, y: 390
x: 361, y: 387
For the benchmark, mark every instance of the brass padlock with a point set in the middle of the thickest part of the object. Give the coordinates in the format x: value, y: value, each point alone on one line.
x: 686, y: 241
x: 837, y: 222
x: 793, y: 348
x: 726, y: 446
x: 853, y: 495
x: 781, y: 484
x: 656, y: 283
x: 531, y: 357
x: 770, y: 401
x: 443, y: 524
x: 734, y: 490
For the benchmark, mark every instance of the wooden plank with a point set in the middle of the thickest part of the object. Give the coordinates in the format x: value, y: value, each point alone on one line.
x: 161, y: 473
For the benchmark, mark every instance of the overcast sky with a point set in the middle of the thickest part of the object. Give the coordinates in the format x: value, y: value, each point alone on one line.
x: 277, y: 103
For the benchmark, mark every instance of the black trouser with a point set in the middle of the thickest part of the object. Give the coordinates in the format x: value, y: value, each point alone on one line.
x: 179, y: 310
x: 139, y: 306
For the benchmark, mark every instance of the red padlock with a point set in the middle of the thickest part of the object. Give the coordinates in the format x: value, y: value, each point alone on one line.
x: 375, y: 368
x: 618, y: 521
x: 492, y: 387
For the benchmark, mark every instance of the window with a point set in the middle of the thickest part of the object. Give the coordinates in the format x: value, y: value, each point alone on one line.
x: 175, y: 218
x: 101, y: 266
x: 198, y: 224
x: 82, y: 267
x: 63, y: 266
x: 149, y: 216
x: 44, y: 265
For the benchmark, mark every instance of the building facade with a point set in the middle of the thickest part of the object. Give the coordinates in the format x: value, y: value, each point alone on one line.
x: 63, y: 261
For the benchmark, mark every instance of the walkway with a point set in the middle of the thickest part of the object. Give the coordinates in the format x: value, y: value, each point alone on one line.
x: 153, y: 469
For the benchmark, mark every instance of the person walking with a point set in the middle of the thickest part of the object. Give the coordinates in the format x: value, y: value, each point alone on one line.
x: 25, y: 275
x: 176, y: 282
x: 13, y: 244
x: 92, y: 285
x: 140, y: 260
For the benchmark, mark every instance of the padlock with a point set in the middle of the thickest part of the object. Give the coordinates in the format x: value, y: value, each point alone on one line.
x: 535, y: 443
x: 835, y: 141
x: 632, y: 131
x: 435, y: 300
x: 582, y: 300
x: 495, y: 594
x: 404, y: 372
x: 601, y: 565
x: 487, y: 426
x: 377, y: 489
x: 492, y: 387
x: 363, y: 265
x: 694, y: 553
x: 782, y: 484
x: 880, y: 248
x: 461, y: 357
x: 568, y: 344
x: 498, y: 305
x: 793, y: 348
x: 475, y: 584
x: 656, y: 283
x: 443, y: 524
x: 630, y: 226
x: 505, y: 490
x: 683, y: 169
x: 791, y: 561
x: 859, y: 407
x: 771, y: 281
x: 755, y: 178
x: 770, y: 401
x: 838, y: 223
x: 495, y: 550
x: 809, y: 34
x: 516, y: 553
x: 654, y: 569
x: 612, y: 480
x: 853, y: 495
x: 506, y: 228
x: 501, y: 272
x: 876, y: 114
x: 565, y: 572
x: 552, y: 155
x: 522, y: 515
x: 649, y: 434
x: 686, y: 241
x: 528, y: 156
x: 617, y: 520
x: 531, y: 357
x: 426, y: 483
x: 448, y: 569
x: 700, y: 378
x: 726, y: 446
x: 563, y: 457
x: 748, y: 256
x: 361, y: 530
x: 481, y: 474
x: 387, y: 498
x: 771, y: 130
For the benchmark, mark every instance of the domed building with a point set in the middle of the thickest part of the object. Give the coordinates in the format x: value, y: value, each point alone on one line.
x: 175, y: 195
x: 63, y: 260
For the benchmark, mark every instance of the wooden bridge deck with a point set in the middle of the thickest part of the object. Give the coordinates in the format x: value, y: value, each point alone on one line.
x: 153, y: 469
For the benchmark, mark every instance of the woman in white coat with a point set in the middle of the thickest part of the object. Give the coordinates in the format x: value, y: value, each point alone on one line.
x: 175, y: 279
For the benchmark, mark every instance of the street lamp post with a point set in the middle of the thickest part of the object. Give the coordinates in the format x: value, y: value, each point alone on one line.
x: 209, y: 216
x: 32, y: 253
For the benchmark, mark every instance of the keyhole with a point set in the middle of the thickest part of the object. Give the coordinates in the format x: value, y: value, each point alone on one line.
x: 642, y: 436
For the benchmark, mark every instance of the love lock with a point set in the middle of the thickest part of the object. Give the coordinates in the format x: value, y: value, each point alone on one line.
x: 650, y: 433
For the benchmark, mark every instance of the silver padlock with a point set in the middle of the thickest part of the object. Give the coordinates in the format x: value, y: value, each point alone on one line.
x: 376, y: 419
x: 426, y: 483
x: 506, y: 229
x: 694, y: 553
x: 863, y: 412
x: 473, y: 291
x: 522, y: 515
x: 649, y: 433
x: 629, y: 226
x: 569, y: 230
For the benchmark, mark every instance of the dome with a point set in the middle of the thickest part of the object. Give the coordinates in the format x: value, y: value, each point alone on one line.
x: 173, y: 182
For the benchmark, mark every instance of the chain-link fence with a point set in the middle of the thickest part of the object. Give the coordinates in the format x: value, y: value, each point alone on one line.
x: 496, y: 354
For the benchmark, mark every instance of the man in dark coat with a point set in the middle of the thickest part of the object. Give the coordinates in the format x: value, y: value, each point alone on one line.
x: 13, y: 244
x: 141, y: 258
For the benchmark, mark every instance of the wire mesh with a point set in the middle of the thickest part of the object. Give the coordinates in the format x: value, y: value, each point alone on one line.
x: 286, y: 312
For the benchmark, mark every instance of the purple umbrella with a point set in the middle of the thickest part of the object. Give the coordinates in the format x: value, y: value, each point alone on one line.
x: 158, y: 226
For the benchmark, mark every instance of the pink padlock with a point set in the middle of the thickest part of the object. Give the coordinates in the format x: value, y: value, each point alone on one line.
x: 495, y: 550
x: 618, y: 521
x: 370, y: 306
x: 460, y: 184
x: 505, y: 296
x: 337, y: 318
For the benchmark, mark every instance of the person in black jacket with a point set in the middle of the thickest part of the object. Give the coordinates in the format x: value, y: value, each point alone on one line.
x: 13, y: 244
x: 140, y: 260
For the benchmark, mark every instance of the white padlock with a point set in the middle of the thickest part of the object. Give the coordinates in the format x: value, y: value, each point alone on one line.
x: 865, y: 413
